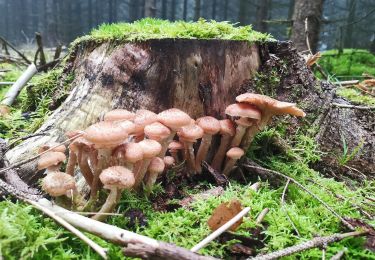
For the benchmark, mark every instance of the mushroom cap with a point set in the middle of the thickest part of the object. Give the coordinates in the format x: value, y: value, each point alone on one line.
x: 227, y: 127
x: 235, y: 153
x: 243, y: 110
x: 175, y: 145
x: 174, y: 118
x: 190, y: 133
x: 169, y: 161
x: 157, y: 131
x: 58, y: 183
x: 80, y: 142
x: 151, y: 148
x: 133, y: 153
x: 244, y: 121
x: 209, y: 124
x: 73, y: 133
x: 117, y: 177
x: 271, y: 105
x: 105, y: 134
x: 156, y: 165
x: 128, y: 126
x: 119, y: 114
x: 50, y: 159
x: 45, y: 147
x: 142, y: 118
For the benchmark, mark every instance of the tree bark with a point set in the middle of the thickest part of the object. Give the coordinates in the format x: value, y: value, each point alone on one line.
x: 150, y: 8
x: 312, y: 11
x: 348, y: 40
x: 262, y: 14
x: 197, y: 10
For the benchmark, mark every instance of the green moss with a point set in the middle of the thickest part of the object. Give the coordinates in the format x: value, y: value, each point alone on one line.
x: 149, y: 28
x: 349, y: 64
x: 356, y: 96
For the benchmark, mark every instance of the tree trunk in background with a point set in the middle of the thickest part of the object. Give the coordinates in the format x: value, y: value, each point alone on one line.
x: 197, y: 9
x: 242, y: 13
x: 133, y: 10
x: 173, y: 10
x: 110, y: 11
x: 312, y: 10
x: 150, y: 8
x: 350, y: 26
x: 89, y: 14
x: 184, y: 15
x: 213, y: 9
x: 226, y: 10
x: 261, y: 15
x: 290, y: 17
x: 164, y: 9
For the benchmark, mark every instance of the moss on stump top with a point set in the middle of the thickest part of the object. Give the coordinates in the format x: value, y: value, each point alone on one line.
x: 149, y: 28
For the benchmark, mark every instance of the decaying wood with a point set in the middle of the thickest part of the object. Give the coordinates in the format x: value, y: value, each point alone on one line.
x: 315, y: 242
x: 135, y: 245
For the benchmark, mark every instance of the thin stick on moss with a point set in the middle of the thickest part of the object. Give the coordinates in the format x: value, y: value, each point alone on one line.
x: 101, y: 251
x: 38, y: 155
x: 346, y: 223
x: 313, y: 243
x: 261, y: 216
x: 220, y: 230
x: 352, y: 106
x: 286, y: 211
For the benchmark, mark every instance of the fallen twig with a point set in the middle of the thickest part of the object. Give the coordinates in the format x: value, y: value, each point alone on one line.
x: 346, y: 82
x: 101, y: 251
x: 220, y: 230
x: 261, y: 216
x: 347, y: 224
x: 15, y: 49
x: 6, y: 83
x: 38, y: 155
x: 286, y: 211
x: 352, y: 106
x: 315, y: 242
x: 339, y: 254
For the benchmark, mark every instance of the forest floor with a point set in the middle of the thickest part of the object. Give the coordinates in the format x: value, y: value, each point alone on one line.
x: 25, y: 233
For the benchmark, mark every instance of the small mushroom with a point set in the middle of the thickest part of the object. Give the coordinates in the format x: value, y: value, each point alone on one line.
x: 156, y: 167
x: 58, y: 183
x: 119, y: 114
x: 233, y: 155
x: 142, y: 118
x: 60, y: 148
x: 242, y: 110
x: 51, y: 161
x: 174, y: 147
x: 158, y: 132
x: 188, y: 135
x: 151, y: 148
x: 174, y: 119
x: 227, y: 131
x: 269, y: 107
x: 128, y: 154
x: 169, y: 162
x: 116, y: 179
x: 210, y: 126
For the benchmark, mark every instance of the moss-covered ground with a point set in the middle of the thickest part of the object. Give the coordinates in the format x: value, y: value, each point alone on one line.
x: 26, y: 234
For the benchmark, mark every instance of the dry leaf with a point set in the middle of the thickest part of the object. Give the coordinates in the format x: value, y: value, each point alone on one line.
x: 312, y: 59
x: 4, y: 110
x: 223, y: 213
x: 369, y: 82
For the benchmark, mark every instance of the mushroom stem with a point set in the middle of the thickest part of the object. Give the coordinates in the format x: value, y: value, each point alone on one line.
x: 84, y: 167
x: 150, y: 181
x: 189, y: 154
x: 220, y: 154
x: 174, y: 154
x: 202, y: 151
x: 72, y: 161
x: 141, y: 172
x: 103, y: 158
x: 164, y: 145
x: 229, y: 166
x: 109, y: 205
x: 249, y: 136
x: 240, y: 132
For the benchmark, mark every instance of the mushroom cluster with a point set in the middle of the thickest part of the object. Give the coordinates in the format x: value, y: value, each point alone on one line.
x: 128, y: 149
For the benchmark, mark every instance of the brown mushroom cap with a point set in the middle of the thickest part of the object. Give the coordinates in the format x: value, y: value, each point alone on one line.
x: 175, y: 145
x: 244, y: 121
x: 235, y: 153
x: 128, y: 126
x: 61, y: 148
x: 117, y: 177
x: 119, y: 114
x: 243, y: 110
x: 73, y: 133
x: 275, y: 107
x: 190, y: 133
x: 174, y: 118
x: 151, y: 148
x: 105, y: 134
x: 156, y: 165
x: 157, y: 131
x: 169, y: 161
x: 227, y: 127
x: 58, y: 183
x: 142, y: 118
x: 209, y: 124
x: 50, y: 159
x: 80, y: 142
x: 133, y: 152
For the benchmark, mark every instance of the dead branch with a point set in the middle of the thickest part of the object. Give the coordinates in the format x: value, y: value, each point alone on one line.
x: 347, y: 224
x: 40, y: 51
x: 284, y: 208
x: 346, y: 82
x: 5, y: 83
x: 15, y: 49
x: 57, y: 52
x: 352, y: 106
x: 339, y: 254
x: 315, y: 242
x: 261, y: 216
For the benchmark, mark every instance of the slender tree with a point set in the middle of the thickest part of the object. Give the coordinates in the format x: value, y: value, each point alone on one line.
x: 242, y: 12
x: 348, y: 40
x: 261, y: 15
x: 312, y: 11
x: 213, y: 15
x: 173, y: 10
x: 197, y: 9
x: 184, y: 15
